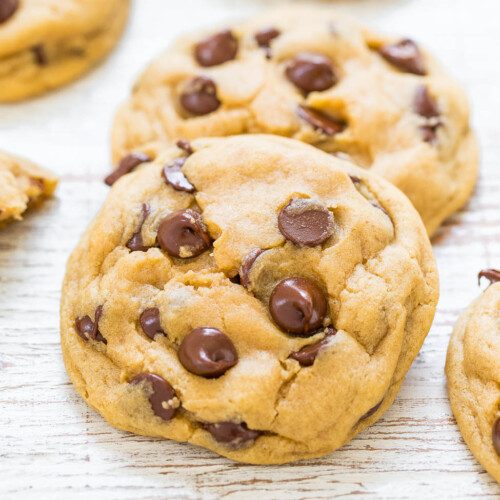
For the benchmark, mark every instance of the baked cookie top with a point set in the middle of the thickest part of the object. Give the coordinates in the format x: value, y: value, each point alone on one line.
x: 320, y: 77
x: 45, y: 43
x: 266, y: 297
x: 473, y: 371
x: 22, y: 185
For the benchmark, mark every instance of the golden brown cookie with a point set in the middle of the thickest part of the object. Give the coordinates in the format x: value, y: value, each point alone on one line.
x: 473, y: 371
x: 320, y: 77
x: 47, y: 43
x: 22, y: 185
x: 252, y: 295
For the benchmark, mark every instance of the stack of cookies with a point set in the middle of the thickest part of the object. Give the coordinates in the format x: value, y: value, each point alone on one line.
x: 260, y: 277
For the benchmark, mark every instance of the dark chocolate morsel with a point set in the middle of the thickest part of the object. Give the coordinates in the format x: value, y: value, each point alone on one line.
x: 496, y: 435
x: 150, y: 322
x: 310, y: 71
x: 231, y: 433
x: 429, y: 133
x: 88, y: 329
x: 7, y: 9
x: 39, y: 54
x: 199, y: 96
x: 183, y: 234
x: 207, y: 352
x: 185, y: 145
x: 217, y: 49
x: 247, y: 264
x: 307, y: 354
x: 305, y: 222
x: 136, y: 243
x: 405, y: 55
x: 174, y: 176
x: 320, y: 121
x: 161, y: 395
x: 425, y: 105
x: 265, y: 36
x: 298, y: 306
x: 127, y: 164
x: 490, y: 274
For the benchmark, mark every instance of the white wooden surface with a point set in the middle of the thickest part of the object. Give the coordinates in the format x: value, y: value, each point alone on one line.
x: 53, y: 446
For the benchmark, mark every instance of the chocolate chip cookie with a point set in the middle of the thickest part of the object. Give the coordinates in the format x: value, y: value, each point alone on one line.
x: 47, y: 43
x: 252, y: 295
x: 22, y: 185
x: 472, y: 368
x: 316, y: 76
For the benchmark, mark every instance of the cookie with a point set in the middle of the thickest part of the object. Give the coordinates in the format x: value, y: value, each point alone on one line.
x: 472, y: 369
x: 251, y: 295
x: 47, y: 43
x: 22, y: 185
x: 316, y: 76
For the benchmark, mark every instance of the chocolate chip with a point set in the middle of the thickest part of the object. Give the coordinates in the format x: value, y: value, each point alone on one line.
x: 161, y: 396
x: 425, y: 105
x: 136, y: 243
x: 355, y: 180
x: 490, y: 274
x: 371, y: 411
x: 307, y: 354
x: 7, y: 9
x: 175, y: 177
x: 247, y: 264
x: 405, y: 55
x: 207, y: 352
x: 200, y: 96
x: 185, y: 146
x: 217, y: 49
x: 429, y: 133
x: 232, y: 434
x: 183, y: 234
x: 298, y: 306
x: 311, y: 72
x: 320, y: 121
x: 264, y: 37
x: 235, y: 279
x: 39, y: 55
x: 496, y: 435
x: 126, y: 164
x: 150, y: 322
x: 305, y: 222
x: 88, y: 329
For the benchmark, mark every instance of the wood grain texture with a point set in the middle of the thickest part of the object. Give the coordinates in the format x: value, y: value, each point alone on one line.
x: 53, y: 446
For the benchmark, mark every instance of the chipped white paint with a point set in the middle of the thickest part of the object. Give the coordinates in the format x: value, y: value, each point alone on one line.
x: 53, y: 446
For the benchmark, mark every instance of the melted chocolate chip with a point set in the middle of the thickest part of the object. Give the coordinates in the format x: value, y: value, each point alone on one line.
x: 496, y: 436
x: 207, y: 352
x: 39, y: 55
x: 405, y: 55
x: 298, y: 306
x: 429, y: 133
x: 175, y: 177
x: 183, y: 234
x: 307, y: 354
x: 217, y: 49
x: 88, y: 329
x: 247, y: 264
x: 355, y: 180
x: 371, y: 411
x: 305, y: 222
x: 200, y: 96
x: 136, y: 244
x: 127, y: 164
x: 490, y: 274
x: 311, y: 72
x: 162, y: 394
x: 320, y: 121
x: 7, y: 9
x: 232, y: 434
x: 425, y: 105
x: 150, y: 322
x: 264, y: 38
x: 185, y: 146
